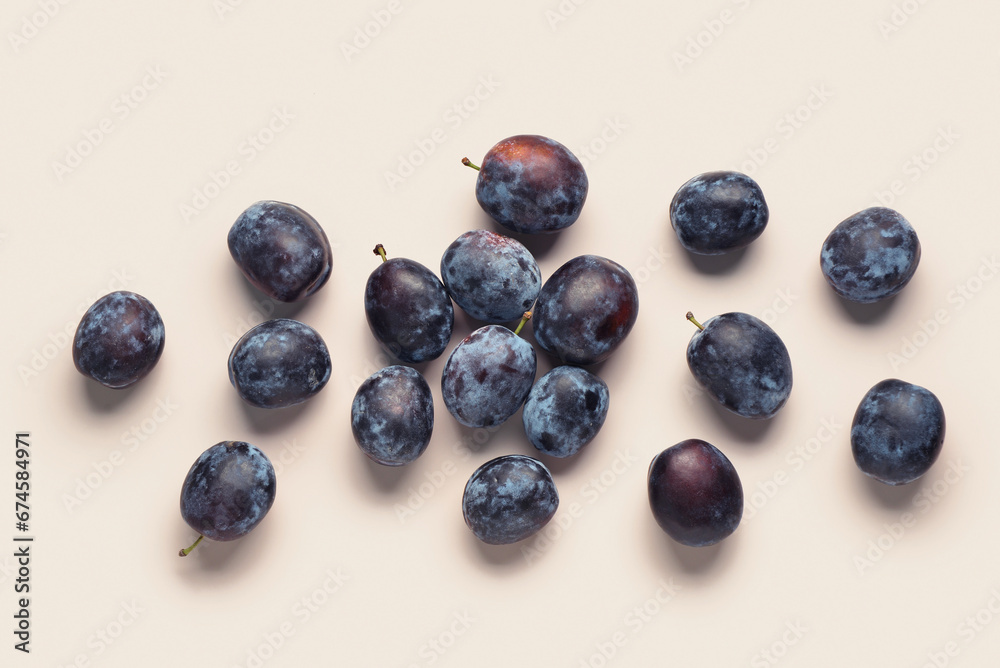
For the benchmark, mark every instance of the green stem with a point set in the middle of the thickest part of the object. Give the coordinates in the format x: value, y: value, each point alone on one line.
x: 690, y: 316
x: 525, y: 318
x: 380, y: 251
x: 468, y: 163
x: 185, y: 552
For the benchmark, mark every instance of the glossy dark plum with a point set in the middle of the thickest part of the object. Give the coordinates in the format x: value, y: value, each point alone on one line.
x: 898, y: 432
x: 741, y: 363
x: 564, y: 410
x: 119, y: 339
x: 491, y: 277
x: 281, y: 250
x: 718, y: 212
x: 870, y: 256
x: 695, y: 493
x: 228, y: 491
x: 585, y: 310
x: 408, y: 310
x: 487, y: 376
x: 279, y: 363
x: 532, y: 184
x: 508, y: 499
x: 392, y: 415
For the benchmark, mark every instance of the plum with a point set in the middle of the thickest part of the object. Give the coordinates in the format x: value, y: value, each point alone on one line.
x: 508, y: 499
x: 695, y: 493
x: 585, y: 310
x: 531, y: 184
x: 281, y: 250
x: 119, y: 339
x: 871, y: 255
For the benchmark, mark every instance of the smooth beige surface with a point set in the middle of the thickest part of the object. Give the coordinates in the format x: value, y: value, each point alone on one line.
x: 189, y: 112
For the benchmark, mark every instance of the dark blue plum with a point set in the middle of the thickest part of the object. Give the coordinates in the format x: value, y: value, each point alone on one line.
x: 408, y: 310
x: 487, y: 376
x: 227, y: 492
x: 508, y: 499
x: 695, y: 493
x: 870, y: 256
x: 531, y: 184
x: 392, y: 416
x: 565, y: 410
x: 718, y: 212
x: 119, y: 339
x: 491, y: 277
x: 585, y: 310
x: 898, y: 432
x: 279, y: 363
x: 741, y: 363
x: 281, y: 250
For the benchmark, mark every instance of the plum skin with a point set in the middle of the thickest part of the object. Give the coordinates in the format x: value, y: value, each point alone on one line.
x: 871, y: 255
x: 508, y: 499
x: 532, y: 184
x: 695, y: 493
x: 392, y: 415
x: 718, y: 212
x: 408, y: 310
x: 281, y: 250
x: 565, y: 410
x: 585, y: 310
x: 491, y: 277
x: 742, y: 363
x: 897, y: 432
x: 279, y: 363
x: 119, y: 339
x: 488, y: 376
x: 228, y: 490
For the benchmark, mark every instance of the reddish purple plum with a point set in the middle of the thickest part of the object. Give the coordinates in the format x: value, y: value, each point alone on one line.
x: 695, y: 493
x: 531, y: 184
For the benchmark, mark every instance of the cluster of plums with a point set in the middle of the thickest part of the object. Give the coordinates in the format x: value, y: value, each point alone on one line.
x: 898, y: 429
x: 579, y: 316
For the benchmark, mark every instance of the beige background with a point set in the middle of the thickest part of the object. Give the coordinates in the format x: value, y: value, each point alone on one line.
x: 213, y: 106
